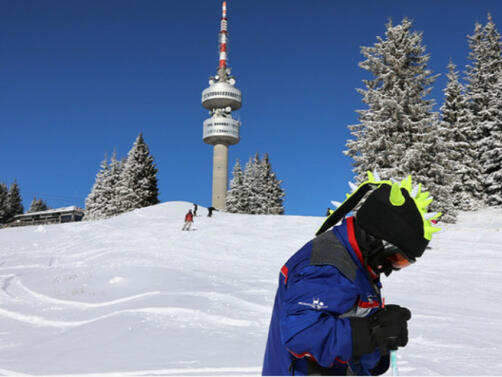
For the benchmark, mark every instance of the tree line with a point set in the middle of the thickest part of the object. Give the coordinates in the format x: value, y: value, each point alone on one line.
x: 256, y: 190
x: 130, y: 183
x: 123, y: 185
x: 11, y: 203
x: 457, y: 152
x: 120, y: 186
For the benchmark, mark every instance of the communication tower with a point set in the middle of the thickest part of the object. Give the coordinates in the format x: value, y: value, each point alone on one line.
x: 221, y: 129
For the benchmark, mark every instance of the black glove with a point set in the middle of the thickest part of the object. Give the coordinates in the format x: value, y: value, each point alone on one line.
x: 386, y: 330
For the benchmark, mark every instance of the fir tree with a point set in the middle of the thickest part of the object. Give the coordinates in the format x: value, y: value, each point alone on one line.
x: 95, y: 202
x: 398, y: 113
x: 111, y: 188
x: 3, y: 202
x: 33, y: 206
x: 491, y: 150
x: 461, y: 154
x: 138, y: 181
x: 256, y: 190
x: 234, y: 201
x: 397, y: 134
x: 14, y: 201
x: 483, y: 76
x: 435, y: 172
x: 251, y: 186
x: 37, y: 205
x: 104, y: 200
x: 272, y: 193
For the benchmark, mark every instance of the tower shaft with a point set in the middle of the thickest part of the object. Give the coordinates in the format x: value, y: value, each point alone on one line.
x: 220, y: 175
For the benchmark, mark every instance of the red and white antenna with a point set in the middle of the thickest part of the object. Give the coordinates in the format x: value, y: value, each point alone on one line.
x: 223, y: 37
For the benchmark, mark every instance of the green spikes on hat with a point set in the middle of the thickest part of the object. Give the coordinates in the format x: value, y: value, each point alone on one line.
x: 422, y: 201
x: 396, y: 196
x: 396, y: 199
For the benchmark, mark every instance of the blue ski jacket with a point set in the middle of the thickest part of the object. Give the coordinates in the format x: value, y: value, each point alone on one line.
x: 320, y: 287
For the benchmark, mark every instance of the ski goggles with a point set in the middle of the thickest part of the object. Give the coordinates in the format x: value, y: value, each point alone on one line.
x: 399, y: 260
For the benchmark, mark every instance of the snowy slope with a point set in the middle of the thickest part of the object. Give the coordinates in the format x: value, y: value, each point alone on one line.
x: 136, y: 295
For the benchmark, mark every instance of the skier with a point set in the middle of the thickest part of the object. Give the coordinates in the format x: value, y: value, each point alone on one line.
x: 195, y: 206
x: 188, y: 220
x: 210, y: 211
x: 329, y: 317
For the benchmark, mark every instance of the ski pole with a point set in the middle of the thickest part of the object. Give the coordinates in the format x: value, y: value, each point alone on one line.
x: 393, y: 363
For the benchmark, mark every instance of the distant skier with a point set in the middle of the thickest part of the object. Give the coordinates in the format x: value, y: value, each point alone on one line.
x: 195, y: 206
x: 210, y: 211
x: 188, y: 220
x: 329, y: 317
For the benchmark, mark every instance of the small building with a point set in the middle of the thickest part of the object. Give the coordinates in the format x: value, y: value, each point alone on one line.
x: 51, y: 216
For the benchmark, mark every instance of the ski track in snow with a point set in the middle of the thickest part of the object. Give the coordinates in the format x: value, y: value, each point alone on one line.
x: 179, y: 314
x: 38, y: 300
x: 83, y: 305
x: 223, y: 371
x: 135, y: 296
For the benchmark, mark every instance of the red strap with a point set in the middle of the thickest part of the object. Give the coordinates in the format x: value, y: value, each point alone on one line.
x: 309, y: 356
x: 301, y: 355
x: 355, y: 246
x: 365, y: 305
x: 284, y: 272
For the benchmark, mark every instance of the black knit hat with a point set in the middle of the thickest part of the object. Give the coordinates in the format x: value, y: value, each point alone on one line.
x: 393, y: 211
x: 401, y: 226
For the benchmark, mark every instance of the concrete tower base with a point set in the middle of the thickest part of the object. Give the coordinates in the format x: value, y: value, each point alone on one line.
x: 220, y: 175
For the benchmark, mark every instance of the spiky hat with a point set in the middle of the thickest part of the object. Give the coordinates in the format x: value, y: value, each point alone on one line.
x: 394, y: 211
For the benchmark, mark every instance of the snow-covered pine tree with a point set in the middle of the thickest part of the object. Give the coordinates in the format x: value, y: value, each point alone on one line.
x: 14, y: 201
x: 110, y: 193
x: 234, y: 201
x: 3, y: 202
x: 37, y: 205
x: 434, y: 170
x: 95, y: 202
x: 388, y: 130
x: 33, y: 206
x: 483, y: 76
x: 491, y: 143
x: 272, y: 193
x: 138, y: 182
x: 251, y: 186
x: 397, y: 134
x: 461, y: 154
x: 257, y: 190
x: 491, y: 160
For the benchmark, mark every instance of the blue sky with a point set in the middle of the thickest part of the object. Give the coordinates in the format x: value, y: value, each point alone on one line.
x: 82, y: 78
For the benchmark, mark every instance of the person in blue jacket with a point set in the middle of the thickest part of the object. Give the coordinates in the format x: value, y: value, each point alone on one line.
x: 329, y: 317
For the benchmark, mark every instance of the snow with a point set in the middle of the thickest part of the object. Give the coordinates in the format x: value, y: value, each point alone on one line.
x: 134, y: 295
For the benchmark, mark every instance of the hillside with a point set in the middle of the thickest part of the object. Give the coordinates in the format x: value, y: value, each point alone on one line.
x: 136, y: 295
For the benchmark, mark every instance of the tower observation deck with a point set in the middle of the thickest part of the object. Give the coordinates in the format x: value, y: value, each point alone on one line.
x: 221, y: 129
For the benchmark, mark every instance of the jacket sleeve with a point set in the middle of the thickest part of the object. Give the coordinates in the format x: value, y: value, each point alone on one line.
x: 309, y: 322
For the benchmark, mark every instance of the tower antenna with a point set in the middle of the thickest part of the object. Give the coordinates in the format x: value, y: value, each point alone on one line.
x: 223, y: 37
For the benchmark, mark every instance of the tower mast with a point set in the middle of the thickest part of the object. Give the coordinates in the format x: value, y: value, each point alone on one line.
x: 221, y: 130
x: 223, y: 41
